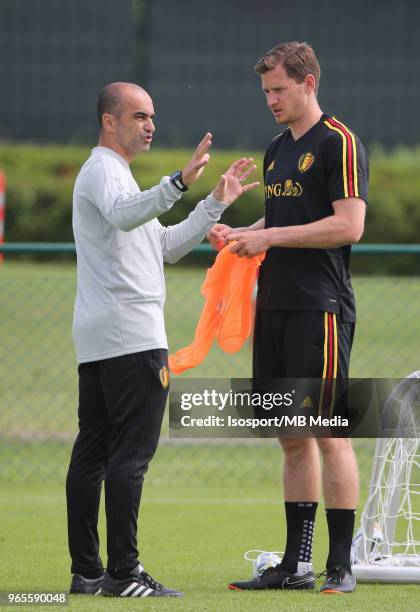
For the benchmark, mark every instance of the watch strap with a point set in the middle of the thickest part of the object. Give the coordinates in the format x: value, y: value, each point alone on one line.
x: 176, y: 179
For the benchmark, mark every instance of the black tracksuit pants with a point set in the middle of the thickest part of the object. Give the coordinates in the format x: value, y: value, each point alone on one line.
x: 121, y: 406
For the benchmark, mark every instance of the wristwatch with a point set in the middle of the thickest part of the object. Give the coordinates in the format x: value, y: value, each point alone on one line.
x: 176, y: 179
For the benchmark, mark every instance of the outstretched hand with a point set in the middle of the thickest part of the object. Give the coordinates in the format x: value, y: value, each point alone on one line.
x: 199, y: 160
x: 230, y: 185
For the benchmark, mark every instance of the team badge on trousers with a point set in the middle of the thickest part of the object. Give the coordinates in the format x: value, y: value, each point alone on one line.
x: 164, y: 377
x: 305, y: 161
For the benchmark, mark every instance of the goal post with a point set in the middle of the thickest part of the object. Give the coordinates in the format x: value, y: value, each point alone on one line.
x: 386, y: 548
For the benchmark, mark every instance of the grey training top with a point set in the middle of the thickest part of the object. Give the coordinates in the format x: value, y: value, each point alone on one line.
x: 121, y: 247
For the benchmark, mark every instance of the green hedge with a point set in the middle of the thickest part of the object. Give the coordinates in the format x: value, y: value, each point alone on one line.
x: 40, y: 182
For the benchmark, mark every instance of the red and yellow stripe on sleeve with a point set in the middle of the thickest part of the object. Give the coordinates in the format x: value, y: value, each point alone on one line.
x: 350, y: 182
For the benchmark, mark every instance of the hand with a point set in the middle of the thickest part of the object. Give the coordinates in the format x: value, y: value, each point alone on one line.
x: 230, y: 187
x: 249, y: 243
x: 216, y: 236
x: 195, y: 166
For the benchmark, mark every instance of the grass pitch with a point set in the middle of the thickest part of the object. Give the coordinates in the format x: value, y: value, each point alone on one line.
x: 203, y: 507
x: 191, y: 538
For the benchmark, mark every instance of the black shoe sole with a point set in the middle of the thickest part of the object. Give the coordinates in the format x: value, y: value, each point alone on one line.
x: 309, y: 587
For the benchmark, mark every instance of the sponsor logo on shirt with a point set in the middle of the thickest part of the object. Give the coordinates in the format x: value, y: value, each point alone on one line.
x: 305, y: 161
x: 285, y: 190
x: 271, y: 166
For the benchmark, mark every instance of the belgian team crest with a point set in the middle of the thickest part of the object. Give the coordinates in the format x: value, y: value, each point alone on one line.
x: 305, y: 161
x: 164, y: 377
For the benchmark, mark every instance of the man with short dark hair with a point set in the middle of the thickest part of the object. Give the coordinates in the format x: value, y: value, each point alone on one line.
x: 119, y: 332
x: 315, y: 177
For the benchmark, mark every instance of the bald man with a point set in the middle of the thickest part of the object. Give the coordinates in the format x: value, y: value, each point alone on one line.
x: 119, y: 332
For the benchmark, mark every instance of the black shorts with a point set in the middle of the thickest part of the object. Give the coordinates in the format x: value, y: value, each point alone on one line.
x: 305, y: 344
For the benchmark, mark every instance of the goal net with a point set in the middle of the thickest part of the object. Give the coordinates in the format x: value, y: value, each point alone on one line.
x: 386, y: 548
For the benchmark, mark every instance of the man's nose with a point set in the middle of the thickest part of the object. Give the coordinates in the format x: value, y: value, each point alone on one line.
x: 150, y: 126
x: 271, y: 98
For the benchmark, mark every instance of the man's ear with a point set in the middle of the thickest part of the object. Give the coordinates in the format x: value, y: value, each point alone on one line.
x: 310, y: 83
x: 108, y: 123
